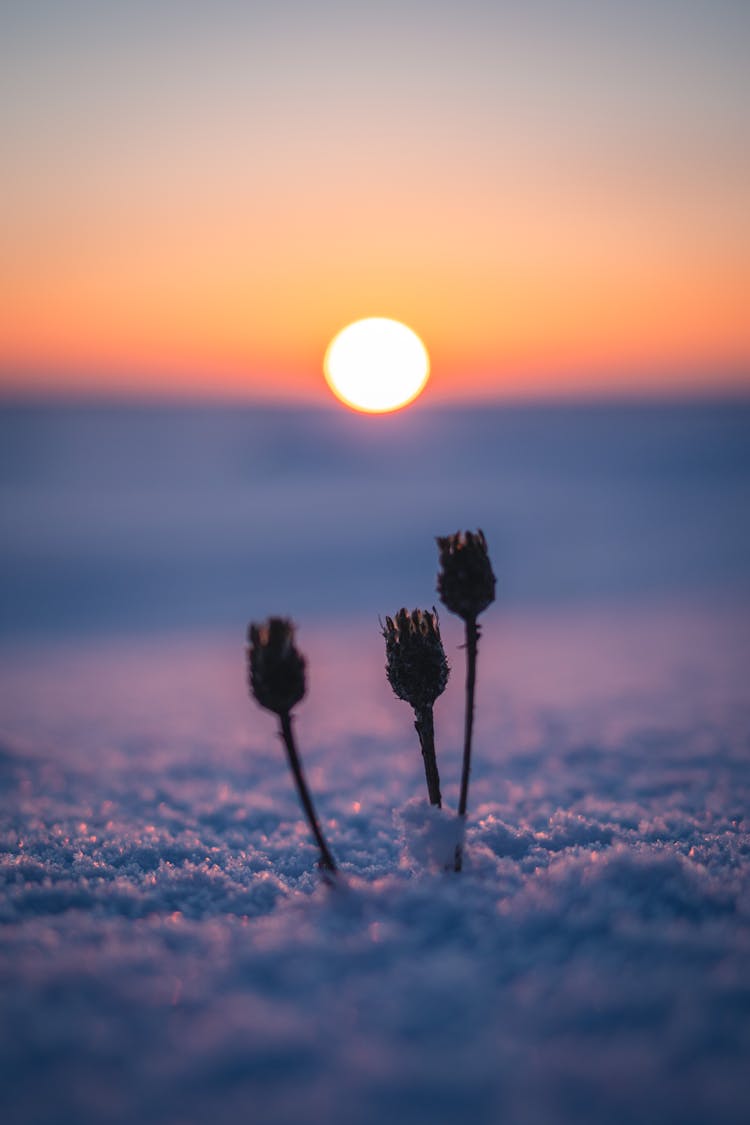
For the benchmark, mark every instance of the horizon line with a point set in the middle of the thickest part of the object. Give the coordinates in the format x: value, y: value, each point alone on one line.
x: 727, y: 394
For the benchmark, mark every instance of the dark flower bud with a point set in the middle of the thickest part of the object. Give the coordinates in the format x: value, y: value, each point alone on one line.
x: 466, y: 583
x: 276, y: 670
x: 415, y: 659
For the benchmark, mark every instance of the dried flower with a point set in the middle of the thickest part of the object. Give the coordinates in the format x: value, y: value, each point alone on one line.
x: 466, y: 583
x: 418, y: 672
x: 276, y: 670
x: 276, y: 677
x: 416, y: 666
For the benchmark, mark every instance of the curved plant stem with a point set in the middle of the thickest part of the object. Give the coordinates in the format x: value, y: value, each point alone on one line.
x: 326, y: 859
x: 472, y: 639
x: 425, y: 728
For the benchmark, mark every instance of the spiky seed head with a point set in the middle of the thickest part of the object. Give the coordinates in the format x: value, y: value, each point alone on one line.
x: 465, y: 582
x: 275, y: 667
x: 416, y: 666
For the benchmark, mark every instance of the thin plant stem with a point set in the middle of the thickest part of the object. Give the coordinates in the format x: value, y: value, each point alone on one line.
x: 472, y: 639
x: 326, y: 859
x: 425, y: 728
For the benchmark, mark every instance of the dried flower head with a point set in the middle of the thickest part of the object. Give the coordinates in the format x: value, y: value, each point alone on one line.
x: 466, y: 583
x: 416, y: 666
x: 276, y: 670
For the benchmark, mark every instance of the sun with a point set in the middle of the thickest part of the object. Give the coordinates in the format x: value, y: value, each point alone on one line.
x: 376, y: 365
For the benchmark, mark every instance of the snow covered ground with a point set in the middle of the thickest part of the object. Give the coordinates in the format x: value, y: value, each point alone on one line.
x: 168, y: 953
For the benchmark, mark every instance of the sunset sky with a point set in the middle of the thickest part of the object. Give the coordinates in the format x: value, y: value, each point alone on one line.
x: 196, y: 197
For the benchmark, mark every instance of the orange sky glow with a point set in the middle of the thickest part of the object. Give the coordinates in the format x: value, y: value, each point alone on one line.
x: 553, y: 208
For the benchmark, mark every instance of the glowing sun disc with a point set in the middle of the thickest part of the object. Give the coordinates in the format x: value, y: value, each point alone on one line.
x: 376, y: 365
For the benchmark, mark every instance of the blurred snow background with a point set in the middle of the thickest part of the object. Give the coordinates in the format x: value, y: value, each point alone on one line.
x: 167, y: 953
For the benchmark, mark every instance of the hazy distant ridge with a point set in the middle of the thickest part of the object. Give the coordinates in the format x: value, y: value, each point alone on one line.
x: 146, y: 517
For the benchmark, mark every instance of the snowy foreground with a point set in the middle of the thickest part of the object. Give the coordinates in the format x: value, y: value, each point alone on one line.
x: 168, y: 953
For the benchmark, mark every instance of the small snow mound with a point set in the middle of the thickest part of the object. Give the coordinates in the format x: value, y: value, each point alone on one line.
x: 429, y: 836
x: 503, y: 839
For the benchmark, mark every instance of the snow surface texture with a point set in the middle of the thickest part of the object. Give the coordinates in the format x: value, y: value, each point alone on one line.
x: 170, y: 955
